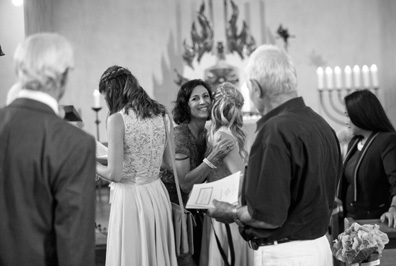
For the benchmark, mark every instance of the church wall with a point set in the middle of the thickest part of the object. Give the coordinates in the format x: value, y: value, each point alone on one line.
x: 12, y: 32
x: 147, y: 37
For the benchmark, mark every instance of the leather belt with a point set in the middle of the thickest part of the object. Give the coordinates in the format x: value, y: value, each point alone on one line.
x: 259, y: 242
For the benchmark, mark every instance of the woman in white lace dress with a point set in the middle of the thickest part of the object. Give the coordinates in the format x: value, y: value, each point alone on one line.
x: 140, y: 228
x: 226, y: 123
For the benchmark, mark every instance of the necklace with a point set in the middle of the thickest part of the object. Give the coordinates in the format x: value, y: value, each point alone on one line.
x: 360, y: 145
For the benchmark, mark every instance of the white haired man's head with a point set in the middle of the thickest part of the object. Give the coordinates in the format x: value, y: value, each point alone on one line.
x: 273, y: 69
x: 42, y: 62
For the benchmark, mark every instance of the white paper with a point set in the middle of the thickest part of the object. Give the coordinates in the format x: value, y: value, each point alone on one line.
x: 225, y: 189
x: 101, y: 150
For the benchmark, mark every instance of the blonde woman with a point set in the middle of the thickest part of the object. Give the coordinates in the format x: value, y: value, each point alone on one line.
x: 226, y: 123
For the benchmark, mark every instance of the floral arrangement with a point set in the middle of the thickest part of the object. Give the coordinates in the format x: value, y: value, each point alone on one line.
x: 358, y: 242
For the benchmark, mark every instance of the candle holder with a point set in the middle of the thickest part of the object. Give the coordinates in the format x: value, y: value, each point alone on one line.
x: 97, y: 121
x: 333, y: 107
x: 332, y: 98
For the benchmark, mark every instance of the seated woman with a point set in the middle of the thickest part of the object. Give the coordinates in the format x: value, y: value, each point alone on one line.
x: 227, y: 122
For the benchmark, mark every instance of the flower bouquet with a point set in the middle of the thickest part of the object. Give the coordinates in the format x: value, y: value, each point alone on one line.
x: 360, y: 244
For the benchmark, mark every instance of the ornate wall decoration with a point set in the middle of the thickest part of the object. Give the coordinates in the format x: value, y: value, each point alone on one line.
x: 240, y: 42
x: 283, y: 33
x: 221, y: 71
x: 201, y: 42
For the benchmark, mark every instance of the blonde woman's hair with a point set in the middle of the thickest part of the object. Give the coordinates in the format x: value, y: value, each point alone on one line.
x: 227, y: 112
x: 42, y: 61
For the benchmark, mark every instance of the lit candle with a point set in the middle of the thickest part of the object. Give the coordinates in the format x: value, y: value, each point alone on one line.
x: 320, y: 74
x: 366, y: 78
x: 374, y: 75
x: 337, y: 75
x: 329, y: 77
x: 356, y: 76
x: 348, y: 77
x: 96, y: 95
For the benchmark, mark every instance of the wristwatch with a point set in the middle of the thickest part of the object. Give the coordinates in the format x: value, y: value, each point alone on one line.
x: 236, y: 218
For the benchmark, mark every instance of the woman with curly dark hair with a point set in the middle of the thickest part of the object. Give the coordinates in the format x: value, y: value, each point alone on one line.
x: 140, y: 224
x: 191, y: 112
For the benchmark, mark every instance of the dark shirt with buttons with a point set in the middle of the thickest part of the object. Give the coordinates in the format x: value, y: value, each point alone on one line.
x: 294, y: 165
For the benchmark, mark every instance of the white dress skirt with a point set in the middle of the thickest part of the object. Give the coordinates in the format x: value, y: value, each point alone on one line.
x: 140, y: 226
x: 140, y: 231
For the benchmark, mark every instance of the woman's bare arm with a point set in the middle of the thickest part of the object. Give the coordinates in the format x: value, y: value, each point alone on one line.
x: 115, y: 136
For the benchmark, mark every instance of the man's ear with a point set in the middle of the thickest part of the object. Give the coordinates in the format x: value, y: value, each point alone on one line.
x: 64, y: 78
x: 256, y: 90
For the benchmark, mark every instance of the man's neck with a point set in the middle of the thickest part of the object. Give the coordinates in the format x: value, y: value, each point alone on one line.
x: 274, y: 102
x: 40, y: 96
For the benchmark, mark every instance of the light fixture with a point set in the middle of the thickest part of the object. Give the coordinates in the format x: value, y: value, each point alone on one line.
x: 17, y: 2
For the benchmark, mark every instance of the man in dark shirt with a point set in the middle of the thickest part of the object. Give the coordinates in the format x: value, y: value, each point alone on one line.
x: 293, y: 168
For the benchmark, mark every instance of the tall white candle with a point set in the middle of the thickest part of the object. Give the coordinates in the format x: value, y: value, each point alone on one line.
x: 356, y: 76
x: 337, y: 75
x: 348, y: 77
x: 329, y: 77
x: 96, y: 95
x: 374, y: 75
x: 320, y: 74
x: 366, y: 77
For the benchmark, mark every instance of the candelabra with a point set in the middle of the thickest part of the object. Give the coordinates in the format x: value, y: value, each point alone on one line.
x: 332, y: 96
x: 97, y: 121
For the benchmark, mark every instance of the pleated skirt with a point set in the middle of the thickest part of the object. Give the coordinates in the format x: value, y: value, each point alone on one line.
x: 140, y: 231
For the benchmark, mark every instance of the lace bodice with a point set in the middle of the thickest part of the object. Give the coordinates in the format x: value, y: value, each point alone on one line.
x: 144, y: 145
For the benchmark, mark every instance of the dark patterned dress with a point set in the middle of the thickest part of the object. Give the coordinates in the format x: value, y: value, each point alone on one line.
x: 187, y: 144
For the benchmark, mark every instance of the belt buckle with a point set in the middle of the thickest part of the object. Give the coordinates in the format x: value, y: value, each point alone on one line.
x: 253, y: 245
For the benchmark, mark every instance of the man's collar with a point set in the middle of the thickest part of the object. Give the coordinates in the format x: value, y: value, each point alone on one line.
x: 40, y: 97
x: 290, y: 104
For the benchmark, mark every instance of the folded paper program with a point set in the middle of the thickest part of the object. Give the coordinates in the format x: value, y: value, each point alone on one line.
x: 225, y: 189
x: 101, y: 150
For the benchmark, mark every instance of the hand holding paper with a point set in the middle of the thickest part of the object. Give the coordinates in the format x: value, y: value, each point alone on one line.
x: 225, y: 189
x: 222, y: 212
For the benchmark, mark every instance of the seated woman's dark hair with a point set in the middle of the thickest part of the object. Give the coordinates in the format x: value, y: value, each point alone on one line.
x: 122, y: 90
x: 181, y: 111
x: 366, y: 112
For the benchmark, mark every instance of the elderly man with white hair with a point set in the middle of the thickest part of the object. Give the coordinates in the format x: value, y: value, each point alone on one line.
x: 47, y: 166
x: 294, y: 164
